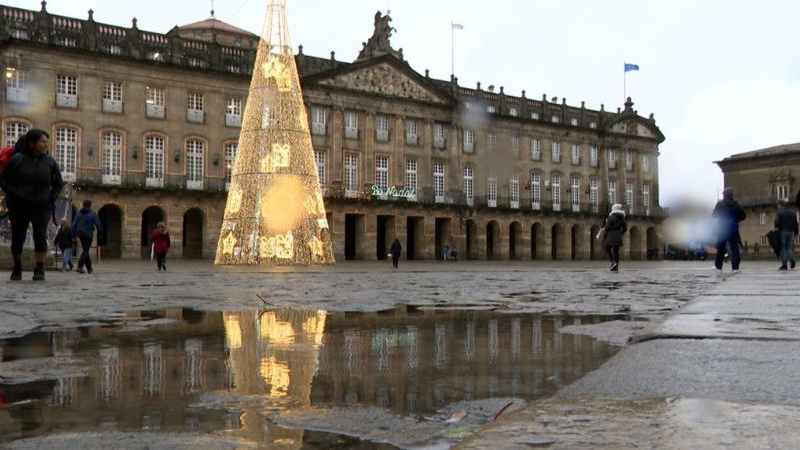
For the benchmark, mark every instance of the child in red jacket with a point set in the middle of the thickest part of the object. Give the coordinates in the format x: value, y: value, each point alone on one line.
x: 160, y: 238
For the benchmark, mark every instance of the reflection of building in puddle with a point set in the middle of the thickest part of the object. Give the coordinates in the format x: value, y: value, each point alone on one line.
x: 273, y: 354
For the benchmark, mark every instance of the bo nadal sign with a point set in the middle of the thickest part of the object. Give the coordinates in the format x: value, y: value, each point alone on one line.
x: 393, y: 192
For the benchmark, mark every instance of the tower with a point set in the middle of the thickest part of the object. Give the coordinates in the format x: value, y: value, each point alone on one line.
x: 274, y: 213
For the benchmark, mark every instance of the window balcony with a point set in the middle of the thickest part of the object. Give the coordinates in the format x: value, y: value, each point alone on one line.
x: 66, y: 101
x: 318, y: 128
x: 154, y: 111
x: 195, y: 115
x: 469, y: 147
x: 382, y: 135
x: 112, y: 106
x: 233, y: 120
x: 18, y: 95
x: 439, y: 142
x: 195, y: 185
x: 112, y: 179
x: 351, y: 133
x: 491, y: 203
x: 154, y: 182
x: 411, y: 138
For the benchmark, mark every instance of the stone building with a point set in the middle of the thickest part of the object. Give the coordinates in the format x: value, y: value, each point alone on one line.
x: 146, y: 124
x: 760, y: 178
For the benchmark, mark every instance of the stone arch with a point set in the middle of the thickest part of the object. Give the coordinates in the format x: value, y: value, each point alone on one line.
x: 652, y: 243
x: 557, y: 242
x: 111, y: 219
x: 193, y: 226
x: 514, y: 240
x: 537, y: 241
x: 492, y: 240
x: 150, y: 217
x: 596, y: 250
x: 472, y: 240
x: 577, y: 242
x: 636, y: 243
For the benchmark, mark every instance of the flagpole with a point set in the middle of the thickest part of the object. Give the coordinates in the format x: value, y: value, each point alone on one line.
x: 452, y: 53
x: 624, y: 84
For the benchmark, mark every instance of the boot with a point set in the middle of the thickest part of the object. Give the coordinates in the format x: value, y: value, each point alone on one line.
x: 38, y: 272
x: 16, y: 273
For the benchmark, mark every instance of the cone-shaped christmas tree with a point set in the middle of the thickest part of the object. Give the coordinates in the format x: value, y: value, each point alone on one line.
x: 274, y: 213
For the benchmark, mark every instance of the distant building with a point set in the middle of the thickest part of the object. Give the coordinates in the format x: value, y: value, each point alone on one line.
x: 147, y: 125
x: 761, y: 178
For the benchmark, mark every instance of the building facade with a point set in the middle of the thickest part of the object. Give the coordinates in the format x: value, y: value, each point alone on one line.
x: 147, y: 124
x: 760, y: 179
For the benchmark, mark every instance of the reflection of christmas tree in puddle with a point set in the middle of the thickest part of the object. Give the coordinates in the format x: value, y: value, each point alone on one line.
x: 275, y: 213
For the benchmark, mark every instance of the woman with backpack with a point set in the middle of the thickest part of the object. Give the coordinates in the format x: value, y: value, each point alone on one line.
x: 83, y: 228
x: 31, y: 182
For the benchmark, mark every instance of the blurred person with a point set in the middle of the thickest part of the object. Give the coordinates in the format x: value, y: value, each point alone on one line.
x: 613, y: 229
x: 31, y: 181
x: 83, y: 227
x: 728, y: 213
x: 65, y: 242
x: 395, y: 250
x: 160, y: 239
x: 786, y: 224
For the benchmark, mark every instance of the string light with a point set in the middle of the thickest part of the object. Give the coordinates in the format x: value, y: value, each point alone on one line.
x: 274, y: 213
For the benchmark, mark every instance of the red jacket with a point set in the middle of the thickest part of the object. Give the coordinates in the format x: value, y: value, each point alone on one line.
x: 160, y: 241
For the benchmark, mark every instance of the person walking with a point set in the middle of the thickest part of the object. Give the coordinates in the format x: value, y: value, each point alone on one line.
x: 160, y: 239
x: 786, y: 224
x: 395, y: 250
x: 613, y: 229
x: 83, y: 227
x: 31, y: 181
x: 728, y: 213
x: 65, y: 242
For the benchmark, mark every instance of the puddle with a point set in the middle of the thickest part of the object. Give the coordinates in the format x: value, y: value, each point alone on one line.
x: 181, y: 370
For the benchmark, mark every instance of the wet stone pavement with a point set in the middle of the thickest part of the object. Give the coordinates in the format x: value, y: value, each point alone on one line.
x: 354, y: 355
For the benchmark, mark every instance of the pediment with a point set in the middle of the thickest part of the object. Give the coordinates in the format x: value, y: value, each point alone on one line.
x: 633, y: 125
x: 385, y: 79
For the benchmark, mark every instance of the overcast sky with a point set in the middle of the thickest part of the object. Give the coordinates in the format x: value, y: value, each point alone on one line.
x: 721, y: 76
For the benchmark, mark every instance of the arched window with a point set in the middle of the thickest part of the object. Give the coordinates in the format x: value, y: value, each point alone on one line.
x: 14, y: 129
x: 65, y: 149
x: 536, y: 191
x: 154, y: 160
x: 195, y: 150
x: 469, y: 185
x: 230, y: 157
x: 112, y: 157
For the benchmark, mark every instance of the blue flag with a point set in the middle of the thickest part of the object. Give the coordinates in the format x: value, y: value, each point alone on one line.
x: 457, y: 26
x: 629, y: 67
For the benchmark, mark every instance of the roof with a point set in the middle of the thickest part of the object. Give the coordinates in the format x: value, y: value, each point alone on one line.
x: 215, y: 24
x: 769, y: 151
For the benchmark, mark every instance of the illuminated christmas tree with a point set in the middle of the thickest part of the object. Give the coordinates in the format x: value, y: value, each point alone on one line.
x: 274, y: 213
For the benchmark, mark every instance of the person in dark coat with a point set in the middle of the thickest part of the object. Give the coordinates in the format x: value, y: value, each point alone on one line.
x: 83, y: 227
x: 728, y: 213
x: 65, y: 242
x: 786, y: 224
x: 31, y: 182
x: 160, y: 239
x: 395, y: 251
x: 612, y: 231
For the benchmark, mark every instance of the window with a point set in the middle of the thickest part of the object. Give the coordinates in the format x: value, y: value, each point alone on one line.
x: 112, y: 157
x: 491, y: 141
x: 17, y: 86
x: 612, y: 158
x: 194, y: 107
x: 14, y: 130
x: 555, y: 192
x: 535, y: 115
x: 555, y: 151
x: 629, y: 196
x: 233, y: 112
x: 594, y: 198
x: 646, y: 198
x: 112, y: 97
x: 536, y: 191
x: 195, y: 163
x: 154, y: 105
x: 468, y: 141
x: 351, y: 175
x: 411, y: 132
x: 469, y: 185
x: 593, y: 160
x: 573, y: 121
x: 438, y: 182
x: 554, y: 118
x: 67, y: 91
x: 491, y: 109
x: 491, y: 191
x: 512, y: 112
x: 231, y: 148
x: 536, y: 151
x: 112, y: 49
x: 318, y: 120
x: 575, y: 194
x: 66, y: 41
x: 66, y: 151
x: 382, y: 128
x: 351, y: 125
x: 438, y: 135
x: 645, y: 163
x: 762, y: 218
x: 628, y: 160
x: 515, y: 146
x: 783, y: 191
x: 592, y: 124
x: 575, y: 154
x: 411, y: 178
x: 382, y: 173
x: 154, y: 161
x: 612, y: 192
x: 319, y: 161
x: 513, y: 190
